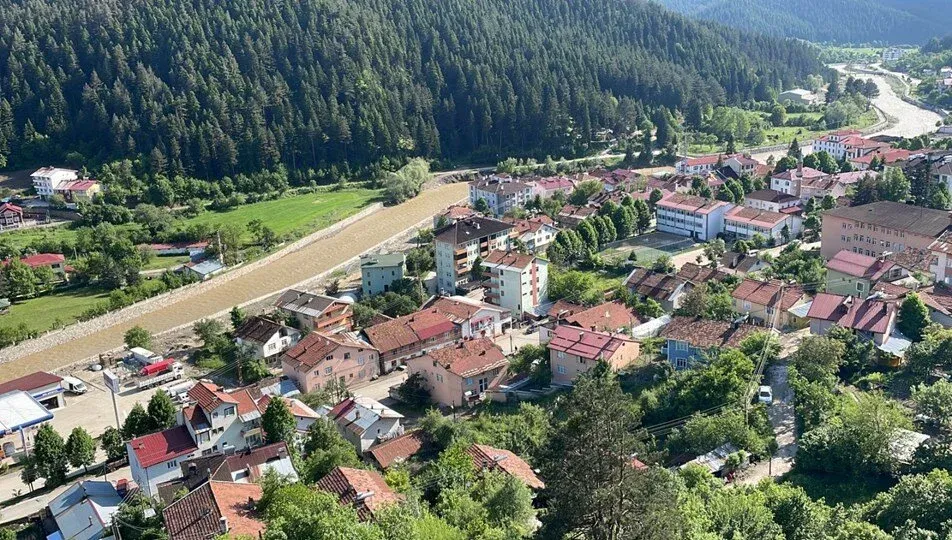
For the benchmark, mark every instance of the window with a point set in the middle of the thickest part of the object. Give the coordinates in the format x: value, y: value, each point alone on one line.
x: 560, y: 368
x: 859, y: 286
x: 681, y: 346
x: 360, y: 360
x: 172, y: 464
x: 230, y: 411
x: 328, y: 370
x: 560, y: 355
x: 346, y: 356
x: 469, y: 381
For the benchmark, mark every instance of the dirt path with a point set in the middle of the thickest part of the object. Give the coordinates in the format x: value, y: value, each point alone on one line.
x: 285, y: 272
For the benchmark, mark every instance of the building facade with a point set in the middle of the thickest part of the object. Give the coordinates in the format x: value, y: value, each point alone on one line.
x: 317, y: 311
x: 500, y: 192
x: 378, y: 272
x: 517, y: 282
x: 320, y: 359
x: 744, y: 223
x: 458, y: 376
x: 688, y: 215
x: 879, y: 227
x: 460, y: 244
x: 573, y: 351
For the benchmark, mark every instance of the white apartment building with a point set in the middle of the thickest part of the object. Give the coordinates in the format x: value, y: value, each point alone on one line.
x: 458, y: 246
x: 745, y: 222
x: 740, y: 163
x: 49, y: 180
x: 692, y: 216
x: 502, y: 193
x: 518, y: 282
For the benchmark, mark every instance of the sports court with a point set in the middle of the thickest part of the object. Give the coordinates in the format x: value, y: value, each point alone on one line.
x: 650, y: 246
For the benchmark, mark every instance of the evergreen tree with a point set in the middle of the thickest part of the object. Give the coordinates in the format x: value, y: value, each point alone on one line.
x: 161, y: 411
x: 112, y: 444
x: 137, y: 423
x: 278, y: 422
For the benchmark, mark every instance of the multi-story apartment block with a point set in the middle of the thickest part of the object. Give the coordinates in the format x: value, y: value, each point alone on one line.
x: 460, y: 244
x: 847, y: 144
x: 744, y: 223
x: 879, y: 227
x: 740, y: 163
x: 790, y: 181
x: 49, y: 179
x: 517, y: 282
x: 500, y: 192
x: 688, y: 215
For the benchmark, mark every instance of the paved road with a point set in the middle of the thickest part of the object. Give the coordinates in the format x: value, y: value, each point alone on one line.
x: 783, y: 420
x: 283, y: 273
x: 910, y: 121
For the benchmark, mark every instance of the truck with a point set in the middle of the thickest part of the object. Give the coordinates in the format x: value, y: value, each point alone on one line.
x: 144, y: 356
x: 159, y: 372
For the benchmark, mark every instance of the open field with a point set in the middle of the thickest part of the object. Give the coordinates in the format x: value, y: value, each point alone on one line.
x: 41, y: 312
x: 164, y: 262
x: 21, y: 238
x: 777, y: 135
x: 295, y: 215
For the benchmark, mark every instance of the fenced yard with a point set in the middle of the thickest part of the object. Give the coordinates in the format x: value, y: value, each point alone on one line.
x: 649, y: 247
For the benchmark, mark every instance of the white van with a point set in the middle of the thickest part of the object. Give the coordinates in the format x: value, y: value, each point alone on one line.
x: 74, y: 385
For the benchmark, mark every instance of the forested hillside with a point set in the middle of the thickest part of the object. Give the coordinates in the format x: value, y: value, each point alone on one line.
x: 838, y: 21
x: 213, y: 88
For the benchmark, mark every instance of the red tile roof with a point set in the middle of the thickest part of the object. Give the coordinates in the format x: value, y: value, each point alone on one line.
x: 198, y: 514
x: 754, y: 216
x: 690, y: 203
x: 30, y: 382
x: 470, y: 357
x: 698, y: 274
x: 509, y: 258
x: 606, y: 317
x: 875, y: 316
x: 458, y: 308
x: 589, y: 344
x: 41, y: 259
x: 409, y: 330
x: 491, y: 458
x: 398, y: 449
x: 316, y: 346
x: 11, y: 207
x: 209, y: 395
x: 858, y: 265
x: 564, y: 308
x: 364, y: 490
x: 765, y: 293
x: 796, y: 174
x: 80, y: 185
x: 705, y: 334
x: 160, y: 447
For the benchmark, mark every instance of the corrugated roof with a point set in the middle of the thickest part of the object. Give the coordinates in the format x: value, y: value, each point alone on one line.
x: 705, y: 333
x: 159, y: 447
x: 305, y: 303
x: 589, y: 344
x: 30, y: 382
x: 859, y: 265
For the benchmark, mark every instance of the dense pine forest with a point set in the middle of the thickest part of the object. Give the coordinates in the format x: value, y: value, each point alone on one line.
x: 213, y: 88
x: 838, y: 21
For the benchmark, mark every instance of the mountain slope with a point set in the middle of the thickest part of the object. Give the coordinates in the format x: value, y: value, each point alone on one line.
x: 214, y: 88
x: 840, y: 21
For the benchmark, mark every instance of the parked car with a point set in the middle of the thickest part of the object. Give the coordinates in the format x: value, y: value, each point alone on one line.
x: 765, y: 395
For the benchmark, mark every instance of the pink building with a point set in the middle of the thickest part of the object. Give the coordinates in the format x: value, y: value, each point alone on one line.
x: 744, y: 223
x: 457, y: 375
x: 879, y: 227
x: 573, y: 351
x: 321, y: 358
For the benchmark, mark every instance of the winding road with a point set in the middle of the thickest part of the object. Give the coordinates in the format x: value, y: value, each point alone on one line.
x: 223, y: 292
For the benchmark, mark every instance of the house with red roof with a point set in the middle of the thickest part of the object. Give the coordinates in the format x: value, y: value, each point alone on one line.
x: 689, y: 339
x: 769, y: 303
x: 855, y: 274
x: 611, y: 317
x: 398, y: 449
x: 665, y: 289
x: 412, y: 335
x: 320, y: 358
x: 11, y: 216
x: 475, y: 318
x: 873, y: 318
x: 488, y: 458
x: 216, y: 509
x: 574, y: 350
x: 154, y: 458
x: 55, y: 261
x: 361, y: 489
x: 458, y: 375
x: 888, y: 157
x: 548, y: 187
x: 790, y: 181
x: 692, y: 216
x: 536, y: 232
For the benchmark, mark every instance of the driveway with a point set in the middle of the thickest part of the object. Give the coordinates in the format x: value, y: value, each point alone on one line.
x: 783, y: 421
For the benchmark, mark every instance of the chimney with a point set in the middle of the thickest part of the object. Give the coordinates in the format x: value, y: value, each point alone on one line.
x: 581, y: 335
x: 800, y: 167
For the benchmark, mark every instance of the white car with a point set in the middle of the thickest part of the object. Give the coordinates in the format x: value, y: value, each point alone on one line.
x: 765, y: 395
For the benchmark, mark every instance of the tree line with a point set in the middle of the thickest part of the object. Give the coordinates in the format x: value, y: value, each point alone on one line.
x: 210, y: 89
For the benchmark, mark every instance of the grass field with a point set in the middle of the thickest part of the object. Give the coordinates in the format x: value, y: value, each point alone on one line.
x: 297, y: 215
x: 40, y: 313
x: 21, y: 238
x: 785, y: 134
x: 167, y: 261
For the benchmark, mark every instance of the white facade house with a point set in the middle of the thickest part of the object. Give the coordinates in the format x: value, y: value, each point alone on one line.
x: 475, y: 318
x: 154, y: 458
x: 517, y: 282
x: 692, y: 216
x: 893, y: 54
x: 772, y: 200
x: 364, y: 421
x: 458, y: 246
x: 266, y: 338
x: 49, y: 180
x: 740, y: 163
x: 501, y: 193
